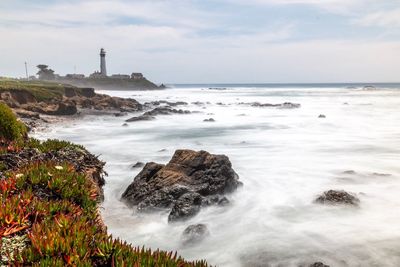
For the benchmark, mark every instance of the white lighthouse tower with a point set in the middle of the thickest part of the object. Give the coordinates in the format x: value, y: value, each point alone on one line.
x: 103, y: 69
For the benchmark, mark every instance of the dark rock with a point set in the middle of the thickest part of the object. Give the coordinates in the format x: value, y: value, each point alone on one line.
x: 194, y: 233
x: 165, y: 111
x: 87, y: 92
x: 138, y: 165
x: 321, y: 116
x: 70, y: 92
x: 349, y: 172
x: 187, y: 206
x: 165, y: 102
x: 318, y: 264
x: 209, y: 120
x: 285, y: 105
x: 65, y: 109
x: 26, y: 114
x: 191, y: 179
x: 289, y: 105
x: 141, y: 118
x: 337, y: 197
x: 120, y: 114
x: 381, y: 174
x: 125, y: 124
x: 215, y: 200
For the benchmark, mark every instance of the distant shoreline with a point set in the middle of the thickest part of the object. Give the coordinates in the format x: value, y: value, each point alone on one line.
x: 287, y: 85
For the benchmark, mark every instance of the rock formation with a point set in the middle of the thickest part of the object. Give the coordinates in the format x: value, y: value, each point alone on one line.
x: 337, y: 197
x: 189, y: 181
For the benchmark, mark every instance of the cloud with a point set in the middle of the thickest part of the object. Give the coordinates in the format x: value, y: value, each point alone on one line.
x: 334, y: 6
x: 387, y: 18
x: 185, y: 41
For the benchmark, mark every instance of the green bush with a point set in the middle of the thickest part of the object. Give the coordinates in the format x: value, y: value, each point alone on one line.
x: 10, y: 128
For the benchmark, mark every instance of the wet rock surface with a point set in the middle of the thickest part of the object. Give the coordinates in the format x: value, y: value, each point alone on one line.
x: 318, y: 264
x: 167, y: 103
x: 337, y: 197
x: 138, y: 164
x: 165, y: 111
x: 194, y: 233
x: 285, y: 105
x: 68, y: 104
x: 189, y: 181
x: 141, y: 118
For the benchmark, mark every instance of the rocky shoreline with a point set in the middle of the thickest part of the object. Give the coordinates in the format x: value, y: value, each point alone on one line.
x: 190, y: 181
x: 50, y: 193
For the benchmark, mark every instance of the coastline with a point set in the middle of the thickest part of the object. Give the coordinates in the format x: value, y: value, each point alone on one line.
x: 23, y: 157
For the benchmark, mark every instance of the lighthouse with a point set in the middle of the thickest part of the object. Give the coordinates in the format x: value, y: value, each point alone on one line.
x: 103, y: 70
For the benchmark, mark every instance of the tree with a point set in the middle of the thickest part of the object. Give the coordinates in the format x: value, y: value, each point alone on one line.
x: 45, y: 73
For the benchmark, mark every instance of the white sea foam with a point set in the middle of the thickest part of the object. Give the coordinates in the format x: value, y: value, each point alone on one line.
x: 284, y: 157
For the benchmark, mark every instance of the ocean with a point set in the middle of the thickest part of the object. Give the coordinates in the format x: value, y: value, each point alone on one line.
x: 285, y: 158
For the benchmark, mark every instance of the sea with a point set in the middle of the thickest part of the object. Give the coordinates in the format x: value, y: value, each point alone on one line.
x: 285, y: 157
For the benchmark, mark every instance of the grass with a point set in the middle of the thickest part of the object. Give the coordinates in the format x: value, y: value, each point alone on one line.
x: 42, y: 91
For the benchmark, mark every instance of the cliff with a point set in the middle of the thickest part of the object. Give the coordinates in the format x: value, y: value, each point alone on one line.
x: 111, y: 83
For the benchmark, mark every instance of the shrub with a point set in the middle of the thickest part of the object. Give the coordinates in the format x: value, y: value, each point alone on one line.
x: 52, y: 145
x: 10, y: 128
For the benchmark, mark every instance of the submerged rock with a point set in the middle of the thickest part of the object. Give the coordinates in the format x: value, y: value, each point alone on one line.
x: 381, y: 174
x: 322, y: 116
x: 138, y: 165
x: 318, y: 264
x: 209, y: 120
x: 349, y: 172
x: 287, y: 105
x: 120, y: 114
x: 337, y: 197
x: 165, y: 111
x: 189, y: 181
x: 141, y: 118
x: 165, y: 102
x: 195, y: 233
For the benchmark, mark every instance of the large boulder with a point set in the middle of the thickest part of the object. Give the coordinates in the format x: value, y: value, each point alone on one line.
x: 190, y: 180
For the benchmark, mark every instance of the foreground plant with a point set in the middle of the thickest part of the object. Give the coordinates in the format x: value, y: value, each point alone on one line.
x: 56, y: 208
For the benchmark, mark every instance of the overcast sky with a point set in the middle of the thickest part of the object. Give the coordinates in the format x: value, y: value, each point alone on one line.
x: 204, y: 41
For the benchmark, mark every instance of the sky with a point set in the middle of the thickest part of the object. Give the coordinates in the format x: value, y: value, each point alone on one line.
x: 205, y: 41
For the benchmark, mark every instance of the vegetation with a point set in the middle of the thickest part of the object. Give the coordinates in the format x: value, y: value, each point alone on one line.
x: 51, y: 145
x: 42, y: 91
x: 49, y: 216
x: 10, y: 128
x: 45, y: 73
